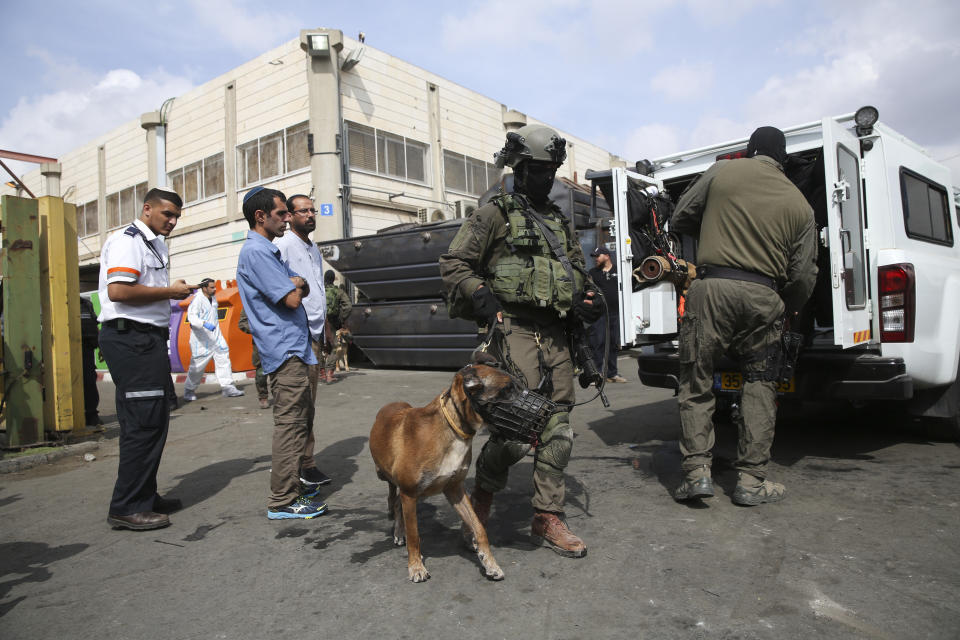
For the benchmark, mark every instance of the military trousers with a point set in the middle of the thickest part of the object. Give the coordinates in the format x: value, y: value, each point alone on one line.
x: 556, y: 442
x: 743, y: 319
x: 261, y: 378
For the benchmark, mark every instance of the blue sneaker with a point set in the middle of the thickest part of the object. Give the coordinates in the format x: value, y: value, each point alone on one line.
x: 303, y: 507
x: 309, y: 490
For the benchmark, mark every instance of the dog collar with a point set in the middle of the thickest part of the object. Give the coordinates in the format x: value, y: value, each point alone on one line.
x: 446, y: 416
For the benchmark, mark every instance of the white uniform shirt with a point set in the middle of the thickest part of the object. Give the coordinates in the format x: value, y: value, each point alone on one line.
x: 126, y: 257
x: 202, y: 340
x: 303, y: 258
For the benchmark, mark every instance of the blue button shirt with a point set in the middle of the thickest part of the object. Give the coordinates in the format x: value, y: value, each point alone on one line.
x: 264, y: 281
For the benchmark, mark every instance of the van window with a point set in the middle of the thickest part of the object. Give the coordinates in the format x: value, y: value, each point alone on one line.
x: 925, y: 211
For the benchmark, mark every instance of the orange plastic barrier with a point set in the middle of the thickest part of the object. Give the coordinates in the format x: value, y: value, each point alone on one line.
x: 229, y: 307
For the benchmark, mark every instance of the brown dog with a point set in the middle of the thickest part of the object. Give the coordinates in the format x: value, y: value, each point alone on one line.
x: 422, y: 451
x: 341, y: 347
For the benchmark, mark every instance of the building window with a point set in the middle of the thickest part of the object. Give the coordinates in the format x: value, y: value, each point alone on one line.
x: 468, y: 175
x: 200, y: 180
x: 925, y: 211
x: 386, y: 153
x: 87, y: 222
x: 124, y: 206
x: 272, y: 155
x: 298, y: 156
x: 213, y: 181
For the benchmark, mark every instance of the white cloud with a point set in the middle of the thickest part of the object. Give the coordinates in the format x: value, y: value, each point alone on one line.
x: 907, y: 72
x: 241, y: 27
x: 652, y: 141
x: 573, y: 29
x: 53, y: 123
x: 713, y: 13
x: 683, y: 82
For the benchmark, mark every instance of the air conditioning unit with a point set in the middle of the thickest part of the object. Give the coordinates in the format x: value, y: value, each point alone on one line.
x: 464, y: 208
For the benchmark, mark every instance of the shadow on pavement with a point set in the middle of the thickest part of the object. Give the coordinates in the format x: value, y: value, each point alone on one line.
x: 638, y: 424
x: 195, y: 487
x: 30, y: 561
x: 4, y: 501
x: 338, y: 461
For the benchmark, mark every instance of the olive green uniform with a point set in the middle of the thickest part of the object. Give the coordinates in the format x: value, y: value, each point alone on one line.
x: 338, y: 310
x: 261, y: 378
x: 535, y: 292
x: 748, y: 216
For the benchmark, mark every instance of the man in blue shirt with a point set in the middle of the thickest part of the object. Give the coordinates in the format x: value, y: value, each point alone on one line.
x: 272, y: 296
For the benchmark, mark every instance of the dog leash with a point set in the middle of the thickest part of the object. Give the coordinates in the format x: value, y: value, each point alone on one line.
x: 446, y: 415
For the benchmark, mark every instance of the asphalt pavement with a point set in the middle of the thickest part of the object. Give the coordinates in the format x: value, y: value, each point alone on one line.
x: 864, y: 546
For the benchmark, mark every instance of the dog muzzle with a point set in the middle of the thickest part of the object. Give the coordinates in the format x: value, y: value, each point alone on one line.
x: 523, y: 419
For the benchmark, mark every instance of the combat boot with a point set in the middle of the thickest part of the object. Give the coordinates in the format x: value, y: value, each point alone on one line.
x: 482, y: 500
x: 752, y: 491
x: 696, y: 484
x: 549, y: 529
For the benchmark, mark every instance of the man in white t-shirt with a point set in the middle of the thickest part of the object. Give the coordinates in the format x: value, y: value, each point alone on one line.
x: 135, y: 291
x: 301, y: 256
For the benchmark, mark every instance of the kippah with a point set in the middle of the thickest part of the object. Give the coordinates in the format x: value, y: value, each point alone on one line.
x: 252, y: 193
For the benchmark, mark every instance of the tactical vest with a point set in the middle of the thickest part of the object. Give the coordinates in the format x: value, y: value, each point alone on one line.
x: 529, y: 275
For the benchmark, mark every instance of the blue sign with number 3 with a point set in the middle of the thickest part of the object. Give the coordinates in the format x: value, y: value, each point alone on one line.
x: 326, y: 209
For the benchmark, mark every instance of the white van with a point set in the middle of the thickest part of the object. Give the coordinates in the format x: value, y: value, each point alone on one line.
x: 884, y: 320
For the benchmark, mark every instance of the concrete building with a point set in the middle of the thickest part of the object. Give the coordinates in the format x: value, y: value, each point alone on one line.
x: 374, y: 140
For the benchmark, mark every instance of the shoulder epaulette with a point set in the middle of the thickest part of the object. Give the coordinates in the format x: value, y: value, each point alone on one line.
x: 131, y: 231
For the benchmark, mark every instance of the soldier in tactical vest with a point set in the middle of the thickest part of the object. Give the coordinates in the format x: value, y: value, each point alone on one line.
x: 500, y: 271
x: 757, y: 257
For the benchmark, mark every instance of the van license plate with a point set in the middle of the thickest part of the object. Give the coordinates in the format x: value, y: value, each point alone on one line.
x: 733, y: 381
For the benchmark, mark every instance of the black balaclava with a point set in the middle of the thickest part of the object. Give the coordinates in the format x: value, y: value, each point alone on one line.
x: 768, y: 141
x: 534, y: 179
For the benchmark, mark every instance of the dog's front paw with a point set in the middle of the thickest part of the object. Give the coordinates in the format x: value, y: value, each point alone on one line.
x: 399, y: 540
x: 418, y: 573
x: 494, y: 572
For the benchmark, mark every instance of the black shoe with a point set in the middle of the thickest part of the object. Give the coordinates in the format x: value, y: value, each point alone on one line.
x: 166, y: 505
x: 143, y: 521
x: 691, y: 489
x: 313, y: 476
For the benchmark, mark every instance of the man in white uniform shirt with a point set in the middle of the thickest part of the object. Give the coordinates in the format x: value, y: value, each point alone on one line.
x: 207, y: 341
x: 302, y: 257
x: 135, y: 291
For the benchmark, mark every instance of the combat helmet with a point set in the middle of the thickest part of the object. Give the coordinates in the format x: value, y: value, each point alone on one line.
x: 532, y: 142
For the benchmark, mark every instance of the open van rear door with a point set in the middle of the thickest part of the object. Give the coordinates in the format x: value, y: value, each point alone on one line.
x: 848, y: 264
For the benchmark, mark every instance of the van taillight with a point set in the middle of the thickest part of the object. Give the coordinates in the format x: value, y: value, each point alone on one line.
x: 897, y: 302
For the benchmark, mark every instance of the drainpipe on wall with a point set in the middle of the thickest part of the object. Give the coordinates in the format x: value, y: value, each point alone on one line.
x: 51, y: 173
x: 153, y: 123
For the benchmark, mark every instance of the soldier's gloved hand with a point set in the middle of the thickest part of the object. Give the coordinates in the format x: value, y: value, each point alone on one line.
x: 485, y: 305
x: 587, y: 307
x: 209, y: 326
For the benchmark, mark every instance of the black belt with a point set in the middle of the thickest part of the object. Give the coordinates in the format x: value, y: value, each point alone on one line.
x: 123, y: 324
x: 729, y: 273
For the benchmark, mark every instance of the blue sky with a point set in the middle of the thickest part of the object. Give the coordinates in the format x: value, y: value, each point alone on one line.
x: 640, y: 78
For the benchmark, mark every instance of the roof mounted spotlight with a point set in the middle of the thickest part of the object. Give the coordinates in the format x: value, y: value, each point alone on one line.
x: 865, y: 118
x: 318, y: 45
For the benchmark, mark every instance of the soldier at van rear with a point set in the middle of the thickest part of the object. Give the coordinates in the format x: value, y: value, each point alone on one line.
x: 757, y: 255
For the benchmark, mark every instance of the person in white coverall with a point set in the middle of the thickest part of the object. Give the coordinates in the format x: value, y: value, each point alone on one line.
x: 207, y: 341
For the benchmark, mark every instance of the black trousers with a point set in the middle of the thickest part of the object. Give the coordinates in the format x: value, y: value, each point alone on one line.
x: 596, y: 336
x: 140, y: 367
x: 91, y: 396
